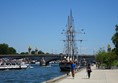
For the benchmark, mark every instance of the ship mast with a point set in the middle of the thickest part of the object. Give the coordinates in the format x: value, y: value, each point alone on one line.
x: 70, y: 44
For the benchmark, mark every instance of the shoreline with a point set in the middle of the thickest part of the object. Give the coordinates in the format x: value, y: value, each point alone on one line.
x: 55, y: 79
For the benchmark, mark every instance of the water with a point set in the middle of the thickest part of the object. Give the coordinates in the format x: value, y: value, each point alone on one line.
x: 37, y: 74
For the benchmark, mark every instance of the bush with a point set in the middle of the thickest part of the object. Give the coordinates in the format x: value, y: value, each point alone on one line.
x: 106, y: 59
x: 115, y: 63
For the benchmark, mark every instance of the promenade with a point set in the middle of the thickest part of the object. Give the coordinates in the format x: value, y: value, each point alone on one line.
x: 97, y: 76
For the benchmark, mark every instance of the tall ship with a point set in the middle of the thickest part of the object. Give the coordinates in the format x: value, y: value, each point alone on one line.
x: 70, y: 45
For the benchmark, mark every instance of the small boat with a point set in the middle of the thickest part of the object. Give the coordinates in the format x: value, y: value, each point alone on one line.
x: 12, y: 64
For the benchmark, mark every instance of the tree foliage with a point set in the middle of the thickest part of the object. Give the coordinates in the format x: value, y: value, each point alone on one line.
x: 106, y: 58
x: 24, y: 53
x: 33, y: 52
x: 109, y: 58
x: 115, y: 40
x: 5, y: 49
x: 41, y: 52
x: 100, y: 56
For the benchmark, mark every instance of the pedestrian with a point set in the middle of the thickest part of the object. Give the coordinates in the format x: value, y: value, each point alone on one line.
x: 88, y: 69
x: 73, y: 67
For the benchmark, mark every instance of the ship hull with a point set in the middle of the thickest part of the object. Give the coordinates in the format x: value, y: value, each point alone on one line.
x: 65, y: 66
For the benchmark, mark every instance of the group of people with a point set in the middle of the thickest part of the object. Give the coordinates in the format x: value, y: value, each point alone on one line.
x: 73, y: 69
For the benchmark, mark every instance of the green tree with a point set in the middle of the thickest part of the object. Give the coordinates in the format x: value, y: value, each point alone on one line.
x: 109, y: 59
x: 105, y: 58
x: 5, y: 49
x: 41, y: 52
x: 24, y: 53
x: 11, y: 50
x: 100, y: 56
x: 33, y: 52
x: 115, y: 40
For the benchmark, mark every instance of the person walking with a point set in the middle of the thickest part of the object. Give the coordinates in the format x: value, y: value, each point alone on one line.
x: 88, y: 69
x: 73, y: 67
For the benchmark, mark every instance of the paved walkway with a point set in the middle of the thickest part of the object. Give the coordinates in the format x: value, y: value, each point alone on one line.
x: 97, y: 76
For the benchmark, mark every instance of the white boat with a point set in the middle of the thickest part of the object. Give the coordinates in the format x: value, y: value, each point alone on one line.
x: 12, y: 64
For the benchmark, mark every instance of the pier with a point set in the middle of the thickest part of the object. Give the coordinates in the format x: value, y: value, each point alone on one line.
x: 97, y: 76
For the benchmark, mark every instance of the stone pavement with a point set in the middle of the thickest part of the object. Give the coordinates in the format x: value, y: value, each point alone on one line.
x: 97, y: 76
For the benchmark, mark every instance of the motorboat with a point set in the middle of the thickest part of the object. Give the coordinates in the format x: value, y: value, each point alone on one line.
x: 12, y: 64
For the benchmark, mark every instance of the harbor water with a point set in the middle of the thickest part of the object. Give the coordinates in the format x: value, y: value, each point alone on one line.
x: 35, y: 74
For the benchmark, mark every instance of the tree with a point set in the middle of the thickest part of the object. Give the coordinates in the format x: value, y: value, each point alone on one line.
x: 109, y: 59
x: 11, y: 50
x: 5, y: 49
x: 24, y: 53
x: 41, y: 52
x: 105, y: 58
x: 115, y: 40
x: 100, y: 56
x: 33, y: 52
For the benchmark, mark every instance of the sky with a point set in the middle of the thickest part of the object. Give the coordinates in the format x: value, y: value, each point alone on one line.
x: 39, y: 24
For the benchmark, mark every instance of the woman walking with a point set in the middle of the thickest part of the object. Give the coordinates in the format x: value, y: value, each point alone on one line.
x: 88, y: 69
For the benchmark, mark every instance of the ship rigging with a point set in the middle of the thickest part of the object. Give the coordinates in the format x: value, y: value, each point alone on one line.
x: 70, y: 50
x: 70, y: 45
